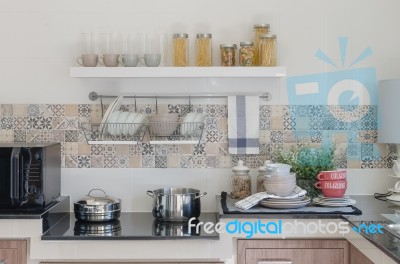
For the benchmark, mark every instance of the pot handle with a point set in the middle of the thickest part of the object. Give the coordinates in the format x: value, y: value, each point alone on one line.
x: 105, y: 194
x: 150, y: 193
x: 199, y: 196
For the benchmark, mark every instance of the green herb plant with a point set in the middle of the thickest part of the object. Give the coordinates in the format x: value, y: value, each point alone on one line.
x: 307, y: 162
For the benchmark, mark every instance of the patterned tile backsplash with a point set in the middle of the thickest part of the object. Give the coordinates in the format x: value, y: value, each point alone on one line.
x: 352, y: 130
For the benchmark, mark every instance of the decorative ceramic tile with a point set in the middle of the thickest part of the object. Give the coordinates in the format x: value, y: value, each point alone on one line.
x: 71, y: 135
x: 199, y: 149
x: 6, y: 110
x: 84, y: 161
x: 289, y: 123
x: 20, y: 122
x: 315, y: 136
x: 110, y: 150
x: 369, y: 136
x: 173, y: 149
x: 223, y: 149
x: 110, y: 161
x: 211, y: 123
x: 83, y: 110
x: 186, y: 162
x: 212, y: 161
x: 265, y: 123
x: 6, y: 135
x: 264, y: 149
x: 96, y: 149
x: 161, y: 161
x: 392, y: 149
x: 135, y: 149
x: 7, y: 122
x: 122, y: 161
x: 97, y: 161
x: 276, y: 136
x: 32, y: 110
x: 147, y: 149
x: 20, y: 135
x: 71, y: 161
x: 148, y: 161
x: 71, y: 148
x: 265, y: 111
x: 18, y: 110
x: 199, y: 162
x: 40, y: 136
x: 212, y: 136
x: 173, y: 161
x: 58, y: 135
x: 289, y: 111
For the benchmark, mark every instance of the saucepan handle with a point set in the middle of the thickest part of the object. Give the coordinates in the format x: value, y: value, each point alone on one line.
x: 150, y: 193
x: 200, y: 195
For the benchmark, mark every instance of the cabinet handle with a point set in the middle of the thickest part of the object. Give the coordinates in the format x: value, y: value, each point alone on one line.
x: 275, y: 261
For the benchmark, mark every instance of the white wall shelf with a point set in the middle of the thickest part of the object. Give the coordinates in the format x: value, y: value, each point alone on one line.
x: 177, y: 72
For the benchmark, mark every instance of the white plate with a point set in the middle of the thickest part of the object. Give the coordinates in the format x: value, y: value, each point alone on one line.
x: 334, y: 204
x: 286, y: 205
x: 186, y: 123
x: 115, y: 105
x: 112, y: 127
x: 129, y: 121
x: 121, y: 120
x: 139, y: 120
x: 393, y: 190
x: 284, y: 199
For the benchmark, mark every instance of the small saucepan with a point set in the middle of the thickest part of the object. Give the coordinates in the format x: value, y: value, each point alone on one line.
x: 97, y: 208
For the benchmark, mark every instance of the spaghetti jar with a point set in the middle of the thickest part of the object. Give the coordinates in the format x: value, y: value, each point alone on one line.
x: 258, y: 30
x: 228, y: 54
x: 203, y: 50
x: 262, y: 171
x: 180, y: 50
x: 241, y: 181
x: 267, y: 50
x: 246, y: 53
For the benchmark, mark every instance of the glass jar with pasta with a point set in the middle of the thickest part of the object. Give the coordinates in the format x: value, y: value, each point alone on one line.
x: 228, y: 54
x: 246, y: 53
x: 203, y: 50
x: 268, y: 50
x: 180, y: 50
x: 259, y: 29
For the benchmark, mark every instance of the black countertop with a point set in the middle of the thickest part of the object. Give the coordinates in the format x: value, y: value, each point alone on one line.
x: 129, y: 226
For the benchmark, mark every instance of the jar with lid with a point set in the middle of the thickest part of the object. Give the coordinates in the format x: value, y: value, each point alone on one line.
x: 246, y: 53
x: 203, y: 50
x: 241, y: 181
x: 180, y: 50
x: 259, y: 29
x: 267, y: 50
x: 228, y: 54
x: 262, y: 171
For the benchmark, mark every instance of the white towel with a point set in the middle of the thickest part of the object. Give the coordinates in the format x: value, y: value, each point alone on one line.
x: 254, y: 199
x: 243, y: 124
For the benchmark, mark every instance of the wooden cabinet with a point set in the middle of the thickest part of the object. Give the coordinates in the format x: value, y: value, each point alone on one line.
x: 74, y: 262
x: 356, y: 257
x: 293, y: 251
x: 13, y: 251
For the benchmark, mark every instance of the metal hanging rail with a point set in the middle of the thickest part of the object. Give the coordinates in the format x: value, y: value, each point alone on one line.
x: 93, y: 96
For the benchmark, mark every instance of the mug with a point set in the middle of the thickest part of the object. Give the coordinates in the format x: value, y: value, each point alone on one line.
x: 332, y: 175
x: 333, y: 189
x: 88, y: 60
x: 109, y: 60
x: 151, y: 60
x: 129, y: 60
x: 339, y: 184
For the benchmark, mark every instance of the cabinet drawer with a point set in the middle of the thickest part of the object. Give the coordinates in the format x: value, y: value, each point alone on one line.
x: 294, y: 256
x: 13, y: 252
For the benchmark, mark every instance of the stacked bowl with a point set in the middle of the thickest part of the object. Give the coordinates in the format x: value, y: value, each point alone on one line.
x: 332, y: 183
x: 279, y: 181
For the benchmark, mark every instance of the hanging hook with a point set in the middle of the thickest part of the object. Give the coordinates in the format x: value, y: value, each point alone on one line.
x: 190, y: 104
x: 101, y: 104
x: 135, y: 105
x: 156, y: 105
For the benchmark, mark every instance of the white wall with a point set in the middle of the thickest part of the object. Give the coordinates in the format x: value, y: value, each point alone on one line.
x: 39, y: 38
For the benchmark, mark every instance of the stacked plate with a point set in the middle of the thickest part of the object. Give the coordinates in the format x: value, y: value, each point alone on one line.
x: 286, y: 203
x: 334, y: 202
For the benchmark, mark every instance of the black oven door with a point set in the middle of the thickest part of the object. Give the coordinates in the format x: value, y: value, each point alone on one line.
x: 10, y: 178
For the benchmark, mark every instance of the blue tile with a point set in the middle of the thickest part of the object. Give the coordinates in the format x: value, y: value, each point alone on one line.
x: 302, y: 111
x: 316, y: 111
x: 354, y: 151
x: 302, y: 123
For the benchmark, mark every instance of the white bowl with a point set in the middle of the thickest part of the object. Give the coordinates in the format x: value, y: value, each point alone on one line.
x: 278, y: 169
x: 281, y: 189
x: 139, y: 120
x: 111, y: 127
x: 129, y: 121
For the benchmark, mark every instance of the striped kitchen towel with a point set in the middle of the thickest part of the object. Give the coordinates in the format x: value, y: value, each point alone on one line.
x: 243, y: 124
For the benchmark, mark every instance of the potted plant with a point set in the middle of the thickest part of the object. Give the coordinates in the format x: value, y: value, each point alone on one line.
x: 307, y: 162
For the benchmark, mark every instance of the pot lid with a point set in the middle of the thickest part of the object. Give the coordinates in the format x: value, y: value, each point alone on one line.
x: 264, y: 167
x: 90, y: 199
x: 241, y: 167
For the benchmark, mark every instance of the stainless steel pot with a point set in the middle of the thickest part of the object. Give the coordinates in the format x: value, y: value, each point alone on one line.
x: 176, y: 204
x: 97, y: 208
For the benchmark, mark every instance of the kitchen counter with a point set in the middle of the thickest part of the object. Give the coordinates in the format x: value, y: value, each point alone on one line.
x: 129, y: 226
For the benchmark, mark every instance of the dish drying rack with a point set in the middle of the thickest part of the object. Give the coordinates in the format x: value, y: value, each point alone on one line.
x: 152, y: 132
x: 113, y: 133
